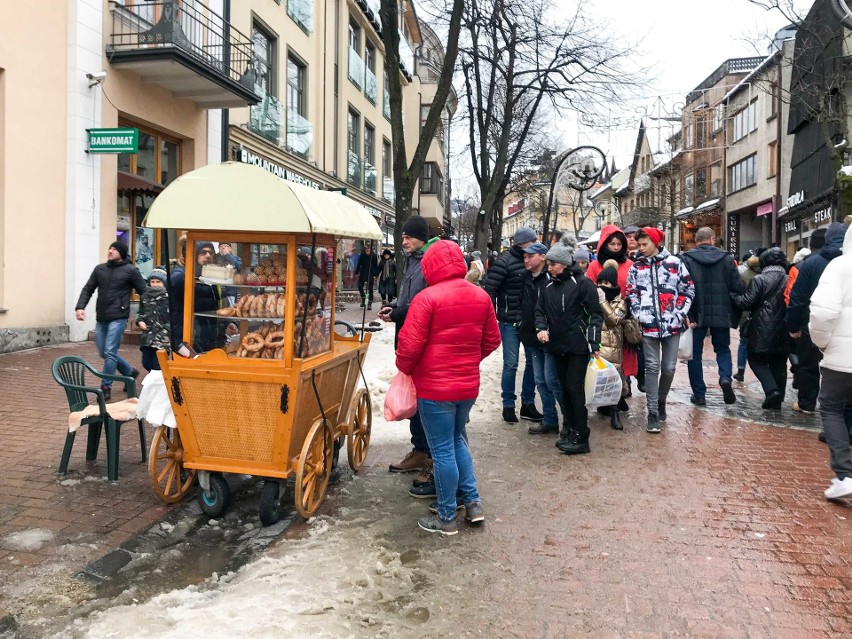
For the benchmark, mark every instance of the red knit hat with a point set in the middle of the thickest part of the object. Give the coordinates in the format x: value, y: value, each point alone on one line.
x: 655, y: 234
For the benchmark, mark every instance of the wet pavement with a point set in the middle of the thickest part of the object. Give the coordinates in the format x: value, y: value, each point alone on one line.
x: 716, y: 528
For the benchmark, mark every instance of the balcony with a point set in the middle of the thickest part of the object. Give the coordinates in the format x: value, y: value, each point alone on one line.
x: 432, y: 209
x: 300, y: 133
x: 356, y: 68
x: 371, y: 87
x: 406, y: 58
x: 186, y: 49
x: 388, y: 192
x: 353, y: 169
x: 369, y: 178
x: 266, y: 118
x: 302, y: 13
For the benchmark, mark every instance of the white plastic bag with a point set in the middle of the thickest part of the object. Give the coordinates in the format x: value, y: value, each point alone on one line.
x: 684, y: 349
x: 603, y: 383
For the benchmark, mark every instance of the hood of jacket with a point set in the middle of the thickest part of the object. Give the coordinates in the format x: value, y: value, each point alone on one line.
x: 604, y: 253
x: 117, y: 263
x: 443, y: 261
x: 834, y: 240
x: 707, y: 255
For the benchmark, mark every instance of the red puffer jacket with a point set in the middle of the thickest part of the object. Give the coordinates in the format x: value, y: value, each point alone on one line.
x: 449, y: 329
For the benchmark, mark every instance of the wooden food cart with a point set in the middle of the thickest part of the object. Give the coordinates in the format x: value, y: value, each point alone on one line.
x: 272, y: 390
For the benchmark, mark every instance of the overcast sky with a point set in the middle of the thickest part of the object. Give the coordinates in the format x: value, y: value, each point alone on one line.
x: 683, y: 41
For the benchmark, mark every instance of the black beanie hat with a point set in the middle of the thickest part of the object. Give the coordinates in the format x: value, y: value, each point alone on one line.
x: 818, y: 238
x: 609, y: 273
x: 417, y: 227
x: 121, y: 247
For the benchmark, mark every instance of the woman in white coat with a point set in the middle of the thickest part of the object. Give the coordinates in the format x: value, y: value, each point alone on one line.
x: 831, y: 331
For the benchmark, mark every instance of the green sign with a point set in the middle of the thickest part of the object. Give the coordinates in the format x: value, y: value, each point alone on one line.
x: 113, y: 140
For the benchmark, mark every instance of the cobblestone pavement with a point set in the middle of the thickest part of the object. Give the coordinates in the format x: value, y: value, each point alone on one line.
x: 715, y: 528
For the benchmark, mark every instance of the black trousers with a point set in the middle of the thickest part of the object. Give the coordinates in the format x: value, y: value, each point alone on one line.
x: 572, y: 376
x: 369, y: 285
x: 771, y: 371
x: 806, y: 374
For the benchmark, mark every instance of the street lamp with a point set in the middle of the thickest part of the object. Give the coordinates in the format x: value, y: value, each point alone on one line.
x: 579, y: 169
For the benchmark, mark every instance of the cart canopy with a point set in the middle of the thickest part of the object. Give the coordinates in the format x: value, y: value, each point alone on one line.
x: 234, y: 196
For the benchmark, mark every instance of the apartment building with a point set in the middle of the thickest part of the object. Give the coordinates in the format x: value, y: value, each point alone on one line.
x: 131, y: 94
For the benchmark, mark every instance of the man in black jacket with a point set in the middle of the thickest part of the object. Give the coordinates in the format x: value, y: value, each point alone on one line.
x: 367, y: 270
x: 716, y: 278
x: 807, y: 374
x: 113, y: 281
x: 503, y: 284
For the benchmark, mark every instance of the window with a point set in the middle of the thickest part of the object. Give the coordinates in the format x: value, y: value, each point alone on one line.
x: 744, y: 122
x: 431, y: 181
x: 689, y: 189
x: 387, y: 173
x: 386, y: 105
x: 353, y: 125
x: 772, y: 152
x: 701, y: 133
x: 718, y: 117
x: 741, y: 174
x: 265, y: 117
x: 369, y: 158
x: 371, y: 85
x: 299, y: 128
x: 701, y: 180
x: 687, y: 136
x: 302, y: 13
x: 356, y: 64
x: 773, y: 97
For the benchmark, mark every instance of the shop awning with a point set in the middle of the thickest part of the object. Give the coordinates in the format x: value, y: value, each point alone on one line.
x: 129, y: 184
x: 234, y: 196
x: 592, y: 239
x: 709, y: 204
x: 684, y: 213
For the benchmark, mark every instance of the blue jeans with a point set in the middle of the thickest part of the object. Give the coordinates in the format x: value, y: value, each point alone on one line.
x: 742, y: 354
x: 543, y: 380
x: 721, y: 339
x: 108, y: 339
x: 511, y: 351
x: 452, y: 466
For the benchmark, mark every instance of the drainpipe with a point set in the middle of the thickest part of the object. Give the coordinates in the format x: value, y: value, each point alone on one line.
x: 778, y: 168
x: 226, y: 54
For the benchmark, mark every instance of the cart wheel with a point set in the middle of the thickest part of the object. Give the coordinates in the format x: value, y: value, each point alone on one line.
x: 313, y: 470
x: 169, y: 479
x: 359, y: 430
x: 270, y: 504
x: 335, y: 456
x: 215, y: 501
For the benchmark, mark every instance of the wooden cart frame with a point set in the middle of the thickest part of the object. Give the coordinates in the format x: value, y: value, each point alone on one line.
x: 271, y: 418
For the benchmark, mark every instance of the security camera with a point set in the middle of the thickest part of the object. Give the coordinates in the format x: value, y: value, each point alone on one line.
x: 97, y: 76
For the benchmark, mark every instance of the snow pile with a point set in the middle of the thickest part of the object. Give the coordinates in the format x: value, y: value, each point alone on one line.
x: 27, y: 540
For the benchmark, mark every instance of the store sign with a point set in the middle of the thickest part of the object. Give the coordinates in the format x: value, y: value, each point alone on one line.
x: 795, y: 199
x: 247, y: 157
x: 822, y: 215
x: 124, y: 140
x: 733, y: 233
x: 791, y: 227
x: 764, y: 209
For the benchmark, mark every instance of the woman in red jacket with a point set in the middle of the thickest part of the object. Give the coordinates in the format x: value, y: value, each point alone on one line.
x: 450, y: 328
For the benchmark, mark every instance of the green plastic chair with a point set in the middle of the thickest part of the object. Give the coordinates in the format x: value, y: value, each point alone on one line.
x: 70, y: 373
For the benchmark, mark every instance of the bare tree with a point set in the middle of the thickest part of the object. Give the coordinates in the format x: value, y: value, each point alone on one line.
x: 520, y: 60
x: 405, y: 173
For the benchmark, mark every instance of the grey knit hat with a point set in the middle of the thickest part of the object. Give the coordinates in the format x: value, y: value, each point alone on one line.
x: 582, y: 253
x: 563, y: 251
x: 523, y: 235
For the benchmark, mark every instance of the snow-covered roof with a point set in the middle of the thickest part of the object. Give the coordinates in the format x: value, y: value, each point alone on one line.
x: 600, y: 191
x: 685, y: 212
x: 709, y: 204
x: 748, y: 79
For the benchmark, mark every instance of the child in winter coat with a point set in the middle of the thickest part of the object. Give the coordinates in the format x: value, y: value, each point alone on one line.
x: 387, y: 277
x: 614, y: 308
x: 153, y: 320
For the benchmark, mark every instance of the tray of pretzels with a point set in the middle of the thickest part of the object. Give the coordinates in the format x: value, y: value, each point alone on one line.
x: 264, y: 343
x: 263, y: 305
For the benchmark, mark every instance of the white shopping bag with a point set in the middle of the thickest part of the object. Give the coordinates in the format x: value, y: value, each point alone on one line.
x: 684, y: 349
x: 603, y: 383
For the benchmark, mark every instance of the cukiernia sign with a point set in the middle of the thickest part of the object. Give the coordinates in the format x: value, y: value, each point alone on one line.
x: 124, y: 140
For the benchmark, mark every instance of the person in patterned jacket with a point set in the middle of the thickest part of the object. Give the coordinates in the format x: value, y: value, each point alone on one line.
x: 660, y: 291
x: 153, y: 320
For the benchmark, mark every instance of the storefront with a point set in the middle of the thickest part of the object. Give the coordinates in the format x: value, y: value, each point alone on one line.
x: 693, y: 218
x: 802, y: 217
x: 749, y: 229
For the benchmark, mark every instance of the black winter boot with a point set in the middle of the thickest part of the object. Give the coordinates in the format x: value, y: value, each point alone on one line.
x: 578, y: 445
x: 615, y: 420
x: 565, y: 437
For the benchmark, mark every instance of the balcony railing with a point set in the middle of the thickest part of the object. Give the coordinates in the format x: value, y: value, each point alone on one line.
x: 374, y: 7
x: 266, y: 119
x: 356, y: 68
x: 371, y: 87
x: 302, y: 12
x: 388, y: 194
x: 353, y: 169
x: 369, y: 177
x: 211, y: 52
x: 300, y: 133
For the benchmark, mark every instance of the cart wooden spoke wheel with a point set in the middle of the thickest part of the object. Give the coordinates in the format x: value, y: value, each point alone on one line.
x: 169, y: 479
x: 359, y: 429
x: 313, y: 470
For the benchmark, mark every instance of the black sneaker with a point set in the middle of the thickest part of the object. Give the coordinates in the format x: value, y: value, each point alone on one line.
x: 821, y: 437
x: 640, y: 384
x: 740, y: 376
x: 698, y: 401
x: 433, y: 507
x: 473, y: 513
x: 107, y: 391
x: 773, y: 401
x: 576, y: 445
x: 728, y: 392
x: 529, y: 412
x: 433, y: 523
x: 661, y: 412
x: 509, y: 416
x: 542, y: 429
x: 653, y: 423
x: 423, y: 491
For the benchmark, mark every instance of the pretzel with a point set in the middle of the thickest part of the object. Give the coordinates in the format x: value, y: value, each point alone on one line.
x: 252, y: 342
x: 275, y: 339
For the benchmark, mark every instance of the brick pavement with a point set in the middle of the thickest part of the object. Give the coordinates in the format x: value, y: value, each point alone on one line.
x: 717, y: 528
